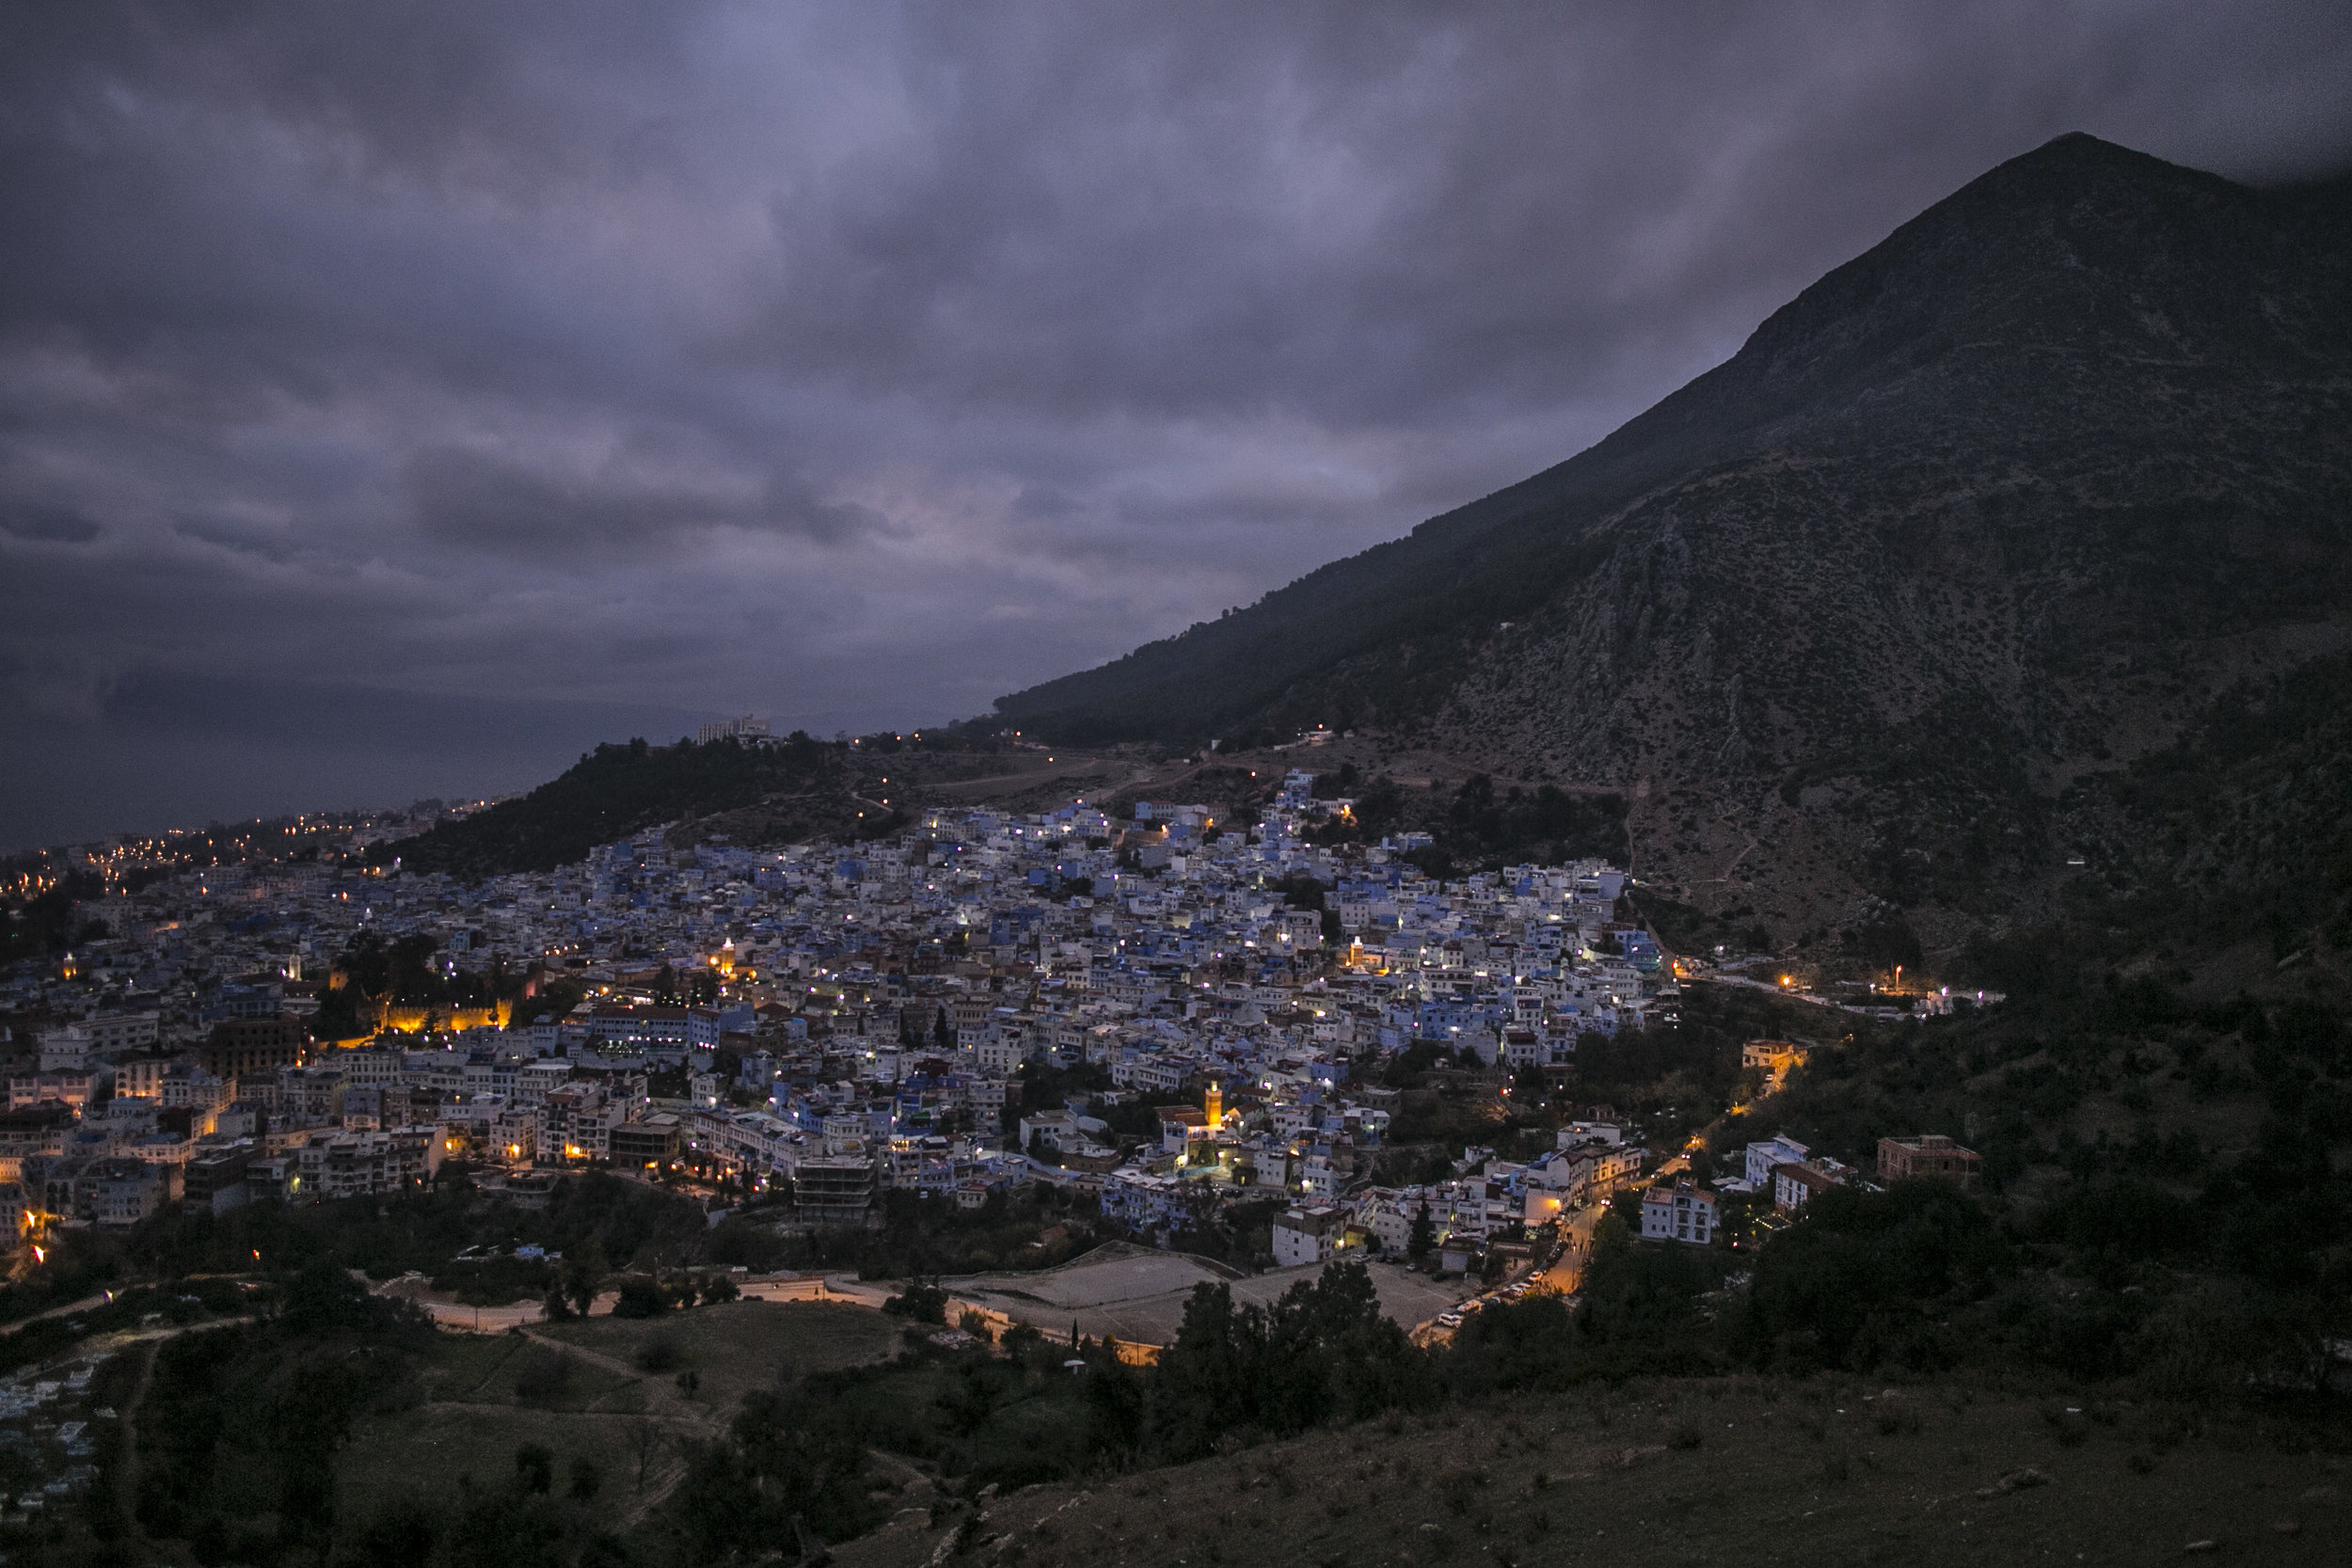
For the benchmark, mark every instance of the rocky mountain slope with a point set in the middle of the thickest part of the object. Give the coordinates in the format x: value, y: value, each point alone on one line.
x: 1882, y: 612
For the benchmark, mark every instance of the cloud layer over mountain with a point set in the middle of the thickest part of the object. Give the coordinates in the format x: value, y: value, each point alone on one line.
x: 407, y: 396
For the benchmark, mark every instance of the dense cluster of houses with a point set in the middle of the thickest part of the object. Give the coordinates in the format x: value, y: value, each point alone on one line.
x: 868, y: 1012
x: 868, y: 1016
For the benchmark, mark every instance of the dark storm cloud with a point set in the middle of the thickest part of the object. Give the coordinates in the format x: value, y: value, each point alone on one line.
x: 465, y: 498
x: 28, y: 520
x: 869, y: 361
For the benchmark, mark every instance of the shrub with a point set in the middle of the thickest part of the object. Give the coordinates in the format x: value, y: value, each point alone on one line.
x: 534, y: 1467
x: 641, y: 1298
x: 924, y: 1303
x: 546, y: 1377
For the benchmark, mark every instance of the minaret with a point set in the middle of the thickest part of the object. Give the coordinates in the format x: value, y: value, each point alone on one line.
x: 1215, y: 1106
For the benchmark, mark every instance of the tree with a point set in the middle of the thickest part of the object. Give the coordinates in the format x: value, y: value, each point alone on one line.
x: 534, y: 1467
x: 969, y: 1401
x: 1422, y: 1237
x: 1864, y: 1277
x: 1115, y: 1403
x: 791, y: 1472
x: 1322, y: 1350
x: 1529, y: 1086
x: 924, y: 1304
x: 641, y: 1298
x: 584, y: 1268
x: 1024, y: 1343
x: 341, y: 1015
x: 644, y: 1443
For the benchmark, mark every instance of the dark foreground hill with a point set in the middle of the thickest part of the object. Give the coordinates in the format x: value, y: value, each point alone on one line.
x: 789, y: 790
x: 1668, y: 1474
x: 1884, y: 610
x: 798, y: 789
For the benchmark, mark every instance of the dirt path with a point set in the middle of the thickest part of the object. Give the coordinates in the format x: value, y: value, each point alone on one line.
x: 459, y: 1317
x: 663, y: 1400
x: 88, y: 1304
x: 1745, y: 850
x: 145, y: 1343
x: 127, y: 1472
x: 666, y: 1426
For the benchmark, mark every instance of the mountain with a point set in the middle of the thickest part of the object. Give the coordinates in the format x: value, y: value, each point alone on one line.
x: 1878, y: 619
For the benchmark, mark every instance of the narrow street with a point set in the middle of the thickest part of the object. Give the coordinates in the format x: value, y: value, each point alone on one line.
x: 1568, y: 1274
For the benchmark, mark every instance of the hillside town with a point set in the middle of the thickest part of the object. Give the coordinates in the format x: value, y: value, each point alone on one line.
x: 824, y: 1024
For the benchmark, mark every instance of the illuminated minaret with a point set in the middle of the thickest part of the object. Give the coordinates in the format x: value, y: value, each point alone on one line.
x: 1216, y: 1105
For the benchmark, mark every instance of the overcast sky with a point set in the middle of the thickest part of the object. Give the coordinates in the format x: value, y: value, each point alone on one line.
x: 397, y: 399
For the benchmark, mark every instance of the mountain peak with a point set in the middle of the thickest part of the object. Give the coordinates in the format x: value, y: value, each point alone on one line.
x: 2081, y: 149
x: 2078, y: 241
x: 2078, y: 167
x: 1930, y: 532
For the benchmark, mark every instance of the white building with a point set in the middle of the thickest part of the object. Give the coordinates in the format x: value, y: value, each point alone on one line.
x: 745, y: 728
x: 80, y: 1044
x: 1779, y: 1149
x: 1682, y: 1212
x: 1797, y: 1183
x: 1308, y: 1235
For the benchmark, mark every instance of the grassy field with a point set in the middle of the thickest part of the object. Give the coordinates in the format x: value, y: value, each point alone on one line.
x: 430, y: 1451
x: 593, y: 1401
x: 739, y: 1346
x: 1033, y: 1427
x: 1722, y: 1472
x: 485, y: 1396
x: 509, y: 1369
